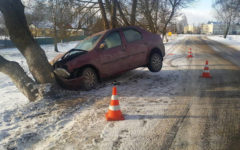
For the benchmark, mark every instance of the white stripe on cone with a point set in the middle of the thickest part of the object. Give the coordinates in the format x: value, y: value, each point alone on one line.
x: 114, y: 97
x: 114, y: 108
x: 206, y: 71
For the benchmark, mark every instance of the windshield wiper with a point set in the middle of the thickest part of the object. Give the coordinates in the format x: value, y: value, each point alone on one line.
x: 68, y: 54
x: 75, y: 49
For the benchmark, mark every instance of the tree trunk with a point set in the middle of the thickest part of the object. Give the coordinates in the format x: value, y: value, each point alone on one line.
x: 167, y: 22
x: 226, y: 31
x: 156, y: 15
x: 19, y: 77
x: 148, y: 16
x: 108, y: 6
x: 104, y: 17
x: 13, y: 12
x: 55, y: 36
x: 122, y: 15
x: 83, y: 17
x: 113, y: 15
x: 133, y: 13
x: 55, y: 44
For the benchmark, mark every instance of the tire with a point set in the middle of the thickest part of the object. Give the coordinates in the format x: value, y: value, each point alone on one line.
x: 155, y: 62
x: 90, y: 78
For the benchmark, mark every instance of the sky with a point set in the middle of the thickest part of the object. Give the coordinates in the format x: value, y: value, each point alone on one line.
x: 200, y: 11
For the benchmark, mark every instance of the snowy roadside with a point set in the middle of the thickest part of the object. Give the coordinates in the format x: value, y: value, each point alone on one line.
x: 43, y: 124
x: 10, y: 96
x: 229, y: 48
x: 231, y: 40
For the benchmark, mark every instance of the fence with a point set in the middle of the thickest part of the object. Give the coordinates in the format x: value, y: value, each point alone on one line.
x: 6, y: 43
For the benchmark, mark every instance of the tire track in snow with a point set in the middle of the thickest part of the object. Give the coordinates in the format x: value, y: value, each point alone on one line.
x: 171, y: 135
x: 174, y: 130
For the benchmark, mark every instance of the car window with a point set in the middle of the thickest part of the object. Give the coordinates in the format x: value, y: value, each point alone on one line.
x: 88, y: 43
x: 112, y: 40
x: 132, y: 35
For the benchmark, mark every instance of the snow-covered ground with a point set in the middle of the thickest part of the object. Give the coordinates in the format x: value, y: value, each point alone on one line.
x: 4, y: 38
x: 10, y: 96
x: 40, y: 125
x: 231, y: 40
x: 232, y: 43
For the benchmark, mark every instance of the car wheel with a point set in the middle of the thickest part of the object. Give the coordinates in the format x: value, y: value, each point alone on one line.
x: 90, y: 78
x: 155, y: 62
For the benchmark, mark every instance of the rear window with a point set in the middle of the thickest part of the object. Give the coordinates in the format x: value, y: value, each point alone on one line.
x: 132, y: 35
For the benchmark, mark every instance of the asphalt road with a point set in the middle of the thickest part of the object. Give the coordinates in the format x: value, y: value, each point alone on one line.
x: 211, y: 118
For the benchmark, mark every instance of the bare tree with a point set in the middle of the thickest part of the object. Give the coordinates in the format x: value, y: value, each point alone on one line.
x: 227, y: 11
x: 147, y: 8
x: 127, y: 18
x: 113, y: 14
x: 158, y: 14
x: 3, y: 30
x: 113, y: 9
x: 38, y: 14
x: 121, y: 13
x: 41, y: 70
x: 133, y: 12
x: 57, y: 14
x: 104, y: 16
x: 61, y: 17
x: 167, y: 15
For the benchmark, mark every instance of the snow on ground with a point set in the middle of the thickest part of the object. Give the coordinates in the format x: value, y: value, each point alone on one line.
x: 4, y: 38
x: 10, y: 96
x: 231, y: 40
x: 40, y: 125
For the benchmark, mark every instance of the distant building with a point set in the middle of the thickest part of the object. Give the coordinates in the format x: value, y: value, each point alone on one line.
x: 191, y: 29
x: 206, y: 29
x: 48, y: 32
x: 219, y: 28
x: 235, y: 29
x: 212, y: 28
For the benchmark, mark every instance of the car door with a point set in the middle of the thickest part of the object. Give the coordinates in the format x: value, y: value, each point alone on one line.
x: 135, y: 47
x: 112, y: 56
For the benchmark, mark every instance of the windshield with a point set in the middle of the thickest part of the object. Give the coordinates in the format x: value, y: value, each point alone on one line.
x: 88, y: 43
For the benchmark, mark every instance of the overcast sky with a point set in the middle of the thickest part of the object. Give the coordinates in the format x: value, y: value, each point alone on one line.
x: 199, y: 12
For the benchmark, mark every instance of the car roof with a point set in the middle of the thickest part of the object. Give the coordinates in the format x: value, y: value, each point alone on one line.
x: 123, y: 28
x: 108, y: 30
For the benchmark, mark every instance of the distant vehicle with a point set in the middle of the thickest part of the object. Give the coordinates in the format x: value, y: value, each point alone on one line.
x: 109, y: 53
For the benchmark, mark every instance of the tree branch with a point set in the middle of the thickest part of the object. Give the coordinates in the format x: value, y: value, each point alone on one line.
x: 19, y: 77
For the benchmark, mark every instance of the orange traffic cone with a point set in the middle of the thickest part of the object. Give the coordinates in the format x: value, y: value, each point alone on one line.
x: 206, y: 73
x: 114, y: 113
x: 190, y: 53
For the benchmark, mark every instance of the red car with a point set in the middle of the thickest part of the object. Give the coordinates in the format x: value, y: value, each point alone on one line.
x: 109, y: 53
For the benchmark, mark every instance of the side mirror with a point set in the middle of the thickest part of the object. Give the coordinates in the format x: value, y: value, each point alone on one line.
x: 102, y: 46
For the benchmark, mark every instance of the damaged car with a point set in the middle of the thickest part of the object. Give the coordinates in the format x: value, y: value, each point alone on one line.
x: 106, y: 54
